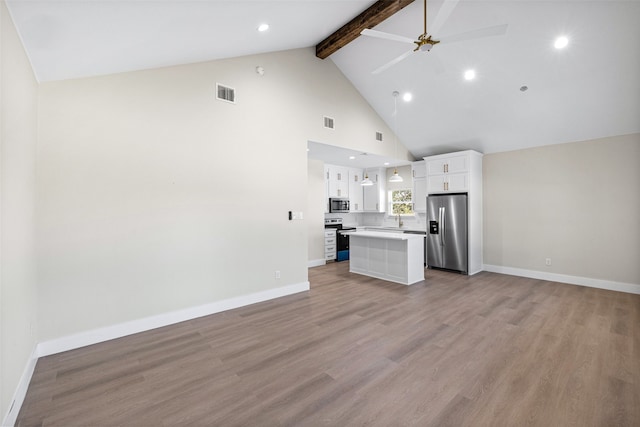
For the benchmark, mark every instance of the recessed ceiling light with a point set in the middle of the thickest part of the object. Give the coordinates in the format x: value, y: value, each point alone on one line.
x: 263, y: 27
x: 469, y: 75
x: 352, y: 157
x: 561, y: 42
x: 407, y: 97
x: 386, y: 163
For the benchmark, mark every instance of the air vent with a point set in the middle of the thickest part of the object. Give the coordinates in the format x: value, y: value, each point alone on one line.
x: 328, y: 123
x: 379, y: 136
x: 225, y: 93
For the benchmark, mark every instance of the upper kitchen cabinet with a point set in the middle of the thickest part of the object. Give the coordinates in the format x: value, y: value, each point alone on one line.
x: 375, y: 195
x: 338, y: 180
x: 356, y: 192
x: 453, y: 173
x: 419, y: 176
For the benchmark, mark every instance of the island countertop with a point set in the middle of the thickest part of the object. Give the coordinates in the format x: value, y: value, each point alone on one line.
x: 384, y: 235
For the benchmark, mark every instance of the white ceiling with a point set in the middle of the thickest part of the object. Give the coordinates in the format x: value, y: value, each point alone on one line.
x: 589, y: 90
x: 352, y: 158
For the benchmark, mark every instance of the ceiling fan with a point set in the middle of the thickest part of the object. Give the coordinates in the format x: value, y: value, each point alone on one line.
x: 425, y: 41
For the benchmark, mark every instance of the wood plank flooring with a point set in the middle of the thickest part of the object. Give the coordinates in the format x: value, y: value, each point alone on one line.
x: 485, y: 350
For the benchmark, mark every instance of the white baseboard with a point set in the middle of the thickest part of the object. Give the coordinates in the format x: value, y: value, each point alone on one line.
x: 316, y: 262
x: 630, y: 288
x: 83, y: 339
x: 21, y: 391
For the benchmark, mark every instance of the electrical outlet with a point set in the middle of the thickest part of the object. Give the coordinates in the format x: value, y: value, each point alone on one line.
x: 277, y: 274
x: 547, y: 261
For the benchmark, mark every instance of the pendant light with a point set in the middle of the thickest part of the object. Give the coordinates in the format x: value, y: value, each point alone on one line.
x: 366, y: 181
x: 395, y: 177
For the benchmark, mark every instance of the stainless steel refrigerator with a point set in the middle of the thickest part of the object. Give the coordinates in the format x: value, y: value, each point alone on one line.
x: 447, y: 232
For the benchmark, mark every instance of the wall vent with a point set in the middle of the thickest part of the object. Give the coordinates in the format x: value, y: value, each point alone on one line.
x: 225, y: 93
x: 329, y: 123
x: 379, y: 136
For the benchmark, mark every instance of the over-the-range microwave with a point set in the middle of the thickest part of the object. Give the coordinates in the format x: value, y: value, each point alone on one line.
x: 338, y: 205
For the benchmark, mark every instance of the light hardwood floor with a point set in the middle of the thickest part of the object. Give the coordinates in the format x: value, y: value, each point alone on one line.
x: 486, y: 350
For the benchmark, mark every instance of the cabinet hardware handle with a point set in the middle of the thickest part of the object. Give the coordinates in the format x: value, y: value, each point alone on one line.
x: 327, y: 176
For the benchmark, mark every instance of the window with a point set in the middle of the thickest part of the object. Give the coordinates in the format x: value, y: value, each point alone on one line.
x: 401, y: 202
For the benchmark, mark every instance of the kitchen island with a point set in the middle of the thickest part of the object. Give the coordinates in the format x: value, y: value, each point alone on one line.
x: 396, y: 257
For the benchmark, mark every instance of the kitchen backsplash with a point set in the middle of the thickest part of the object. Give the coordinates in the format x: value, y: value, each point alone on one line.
x: 418, y: 222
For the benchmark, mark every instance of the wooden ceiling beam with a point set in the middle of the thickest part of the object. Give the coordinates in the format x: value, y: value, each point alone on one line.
x: 378, y: 12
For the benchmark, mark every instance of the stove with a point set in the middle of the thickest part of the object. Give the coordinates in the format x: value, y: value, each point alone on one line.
x: 342, y: 238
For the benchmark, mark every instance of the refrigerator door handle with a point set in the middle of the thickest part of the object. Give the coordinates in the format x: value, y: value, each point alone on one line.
x: 442, y: 225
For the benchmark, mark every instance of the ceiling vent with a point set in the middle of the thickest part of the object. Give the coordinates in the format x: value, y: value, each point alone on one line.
x: 329, y: 123
x: 225, y: 93
x: 379, y: 136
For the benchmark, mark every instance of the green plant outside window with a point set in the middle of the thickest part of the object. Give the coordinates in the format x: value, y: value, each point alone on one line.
x: 402, y: 202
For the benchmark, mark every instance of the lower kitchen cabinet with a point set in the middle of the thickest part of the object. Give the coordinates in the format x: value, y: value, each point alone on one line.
x: 330, y: 244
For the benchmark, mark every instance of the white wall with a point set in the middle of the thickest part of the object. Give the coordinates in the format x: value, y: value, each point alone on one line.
x: 315, y: 210
x: 18, y: 298
x: 154, y: 196
x: 576, y: 203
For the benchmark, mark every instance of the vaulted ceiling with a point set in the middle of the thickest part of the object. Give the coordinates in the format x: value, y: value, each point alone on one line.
x: 590, y: 89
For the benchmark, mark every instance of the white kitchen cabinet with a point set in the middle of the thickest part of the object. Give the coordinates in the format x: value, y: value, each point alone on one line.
x: 450, y: 173
x: 338, y: 178
x: 330, y: 244
x: 419, y: 169
x: 375, y: 195
x: 461, y: 172
x: 356, y: 192
x: 448, y: 183
x: 448, y: 163
x: 419, y: 176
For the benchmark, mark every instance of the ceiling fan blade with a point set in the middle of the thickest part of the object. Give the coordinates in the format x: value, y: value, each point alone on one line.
x: 443, y: 14
x: 498, y: 30
x: 392, y: 62
x: 387, y: 36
